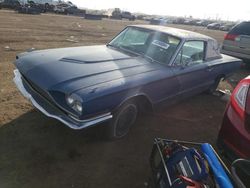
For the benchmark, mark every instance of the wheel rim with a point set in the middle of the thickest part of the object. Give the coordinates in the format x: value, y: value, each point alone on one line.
x: 125, y: 120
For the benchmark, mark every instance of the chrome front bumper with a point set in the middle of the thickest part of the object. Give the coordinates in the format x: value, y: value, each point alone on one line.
x: 68, y: 120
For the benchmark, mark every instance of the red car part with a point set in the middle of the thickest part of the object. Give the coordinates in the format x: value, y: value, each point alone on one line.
x: 234, y: 135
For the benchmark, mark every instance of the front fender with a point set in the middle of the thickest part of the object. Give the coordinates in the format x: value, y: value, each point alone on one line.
x: 110, y: 102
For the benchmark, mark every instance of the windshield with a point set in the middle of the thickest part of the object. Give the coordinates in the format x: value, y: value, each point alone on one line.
x: 157, y: 46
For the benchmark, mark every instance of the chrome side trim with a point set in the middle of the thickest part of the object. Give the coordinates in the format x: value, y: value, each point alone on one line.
x: 80, y: 123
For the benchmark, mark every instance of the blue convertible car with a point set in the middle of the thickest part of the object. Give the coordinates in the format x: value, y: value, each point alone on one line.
x: 140, y: 68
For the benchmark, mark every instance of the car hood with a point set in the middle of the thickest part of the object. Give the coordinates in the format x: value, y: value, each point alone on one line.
x: 70, y: 69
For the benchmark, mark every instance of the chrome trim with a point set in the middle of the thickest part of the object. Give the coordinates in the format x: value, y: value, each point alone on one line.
x: 80, y: 123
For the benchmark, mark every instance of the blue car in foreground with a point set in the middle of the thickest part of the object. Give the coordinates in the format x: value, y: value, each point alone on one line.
x: 143, y: 66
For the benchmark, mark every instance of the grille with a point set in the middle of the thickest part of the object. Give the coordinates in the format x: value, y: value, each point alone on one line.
x: 37, y: 88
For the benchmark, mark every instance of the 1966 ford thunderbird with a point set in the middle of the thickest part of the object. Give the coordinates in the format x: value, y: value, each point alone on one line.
x: 140, y: 68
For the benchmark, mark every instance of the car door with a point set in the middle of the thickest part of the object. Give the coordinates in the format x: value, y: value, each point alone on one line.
x: 191, y: 69
x: 164, y: 85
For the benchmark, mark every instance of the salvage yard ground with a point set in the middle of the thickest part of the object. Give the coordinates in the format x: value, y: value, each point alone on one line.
x: 38, y: 152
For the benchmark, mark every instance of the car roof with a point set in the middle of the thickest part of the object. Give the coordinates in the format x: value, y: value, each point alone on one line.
x: 180, y: 33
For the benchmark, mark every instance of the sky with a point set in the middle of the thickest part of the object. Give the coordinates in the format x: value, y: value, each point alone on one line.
x: 223, y: 9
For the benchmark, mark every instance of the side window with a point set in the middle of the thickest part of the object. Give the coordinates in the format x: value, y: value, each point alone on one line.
x: 192, y: 52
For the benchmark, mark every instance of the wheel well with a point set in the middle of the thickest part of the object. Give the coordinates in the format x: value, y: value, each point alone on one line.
x: 221, y: 76
x: 215, y: 84
x: 143, y: 103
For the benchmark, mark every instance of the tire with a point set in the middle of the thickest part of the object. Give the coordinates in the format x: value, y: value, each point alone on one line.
x: 123, y: 120
x: 214, y: 86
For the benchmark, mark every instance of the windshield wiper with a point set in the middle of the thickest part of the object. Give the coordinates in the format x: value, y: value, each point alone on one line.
x: 150, y: 58
x: 141, y: 54
x: 146, y: 57
x: 122, y: 49
x: 111, y: 45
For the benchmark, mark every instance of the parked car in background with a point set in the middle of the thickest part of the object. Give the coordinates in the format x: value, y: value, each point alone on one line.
x: 161, y: 21
x: 203, y: 23
x: 237, y: 41
x: 65, y: 8
x: 186, y: 22
x: 190, y: 22
x: 199, y: 23
x: 226, y: 27
x: 46, y: 4
x: 234, y: 135
x: 118, y: 14
x: 178, y: 21
x: 11, y: 4
x: 142, y: 67
x: 214, y: 26
x: 127, y: 15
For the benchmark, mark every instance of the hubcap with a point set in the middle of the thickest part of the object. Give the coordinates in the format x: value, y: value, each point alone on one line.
x: 125, y: 120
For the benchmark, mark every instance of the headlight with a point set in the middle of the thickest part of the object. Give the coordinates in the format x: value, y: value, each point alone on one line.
x: 70, y: 100
x: 78, y: 106
x: 75, y: 102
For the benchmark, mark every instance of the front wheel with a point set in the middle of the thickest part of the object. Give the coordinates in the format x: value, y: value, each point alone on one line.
x: 123, y: 120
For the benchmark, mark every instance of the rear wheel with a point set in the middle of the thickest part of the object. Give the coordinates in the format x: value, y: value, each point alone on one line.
x: 123, y: 120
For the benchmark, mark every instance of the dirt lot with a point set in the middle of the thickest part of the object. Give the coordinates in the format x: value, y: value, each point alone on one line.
x: 36, y: 151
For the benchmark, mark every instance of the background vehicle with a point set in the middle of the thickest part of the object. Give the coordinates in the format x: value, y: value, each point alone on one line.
x: 65, y: 8
x: 237, y: 41
x: 226, y: 27
x: 118, y: 14
x: 190, y: 22
x: 43, y: 5
x: 160, y: 21
x: 214, y: 26
x: 203, y: 23
x: 12, y: 4
x: 234, y: 135
x: 128, y: 15
x: 178, y: 21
